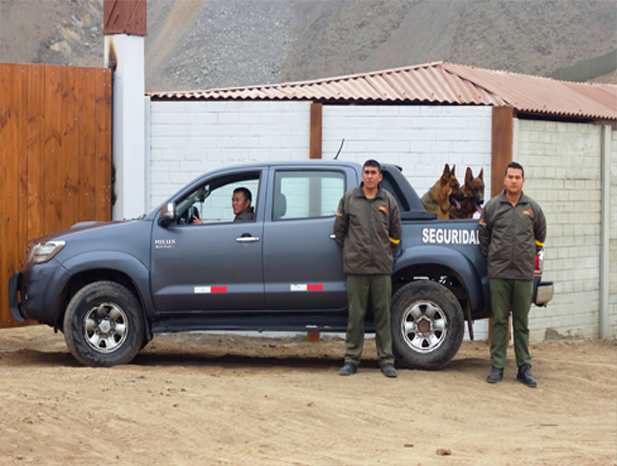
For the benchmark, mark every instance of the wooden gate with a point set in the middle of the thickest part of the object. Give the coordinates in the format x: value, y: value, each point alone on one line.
x: 55, y: 157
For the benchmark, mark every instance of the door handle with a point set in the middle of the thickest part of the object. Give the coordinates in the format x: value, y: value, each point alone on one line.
x: 332, y: 236
x: 247, y: 239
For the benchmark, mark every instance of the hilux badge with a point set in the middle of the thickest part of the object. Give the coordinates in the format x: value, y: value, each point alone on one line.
x: 164, y: 243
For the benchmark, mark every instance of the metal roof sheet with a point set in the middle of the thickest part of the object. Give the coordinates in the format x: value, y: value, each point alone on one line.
x: 435, y: 83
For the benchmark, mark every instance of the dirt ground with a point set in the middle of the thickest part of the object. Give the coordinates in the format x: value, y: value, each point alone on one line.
x: 194, y: 399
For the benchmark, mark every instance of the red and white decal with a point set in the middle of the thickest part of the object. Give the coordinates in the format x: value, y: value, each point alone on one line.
x: 210, y: 289
x: 307, y: 287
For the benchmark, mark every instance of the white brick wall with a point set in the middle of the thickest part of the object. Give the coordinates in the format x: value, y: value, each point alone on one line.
x: 188, y: 139
x: 613, y: 244
x: 562, y: 172
x: 191, y: 138
x: 561, y: 160
x: 421, y: 139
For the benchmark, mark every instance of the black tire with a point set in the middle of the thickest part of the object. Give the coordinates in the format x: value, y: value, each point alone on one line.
x: 427, y: 325
x: 104, y: 325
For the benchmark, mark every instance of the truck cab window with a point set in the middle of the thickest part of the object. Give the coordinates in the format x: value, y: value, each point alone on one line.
x: 307, y: 194
x: 221, y: 200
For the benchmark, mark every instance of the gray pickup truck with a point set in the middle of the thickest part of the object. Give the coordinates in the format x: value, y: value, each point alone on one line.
x: 110, y: 286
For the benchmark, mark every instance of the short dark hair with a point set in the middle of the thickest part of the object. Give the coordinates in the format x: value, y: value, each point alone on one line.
x: 372, y: 163
x: 517, y: 166
x: 245, y: 192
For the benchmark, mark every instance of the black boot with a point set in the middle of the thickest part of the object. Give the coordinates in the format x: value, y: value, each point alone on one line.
x: 495, y: 376
x: 348, y: 369
x: 524, y: 376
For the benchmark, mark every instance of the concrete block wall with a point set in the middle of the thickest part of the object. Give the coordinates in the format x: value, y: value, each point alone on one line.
x: 188, y: 139
x: 562, y: 170
x: 613, y: 240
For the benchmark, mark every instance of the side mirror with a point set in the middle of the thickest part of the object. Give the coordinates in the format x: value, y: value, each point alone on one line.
x: 167, y: 214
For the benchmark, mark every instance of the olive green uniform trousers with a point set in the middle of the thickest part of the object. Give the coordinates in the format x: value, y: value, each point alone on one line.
x: 358, y: 287
x: 514, y: 295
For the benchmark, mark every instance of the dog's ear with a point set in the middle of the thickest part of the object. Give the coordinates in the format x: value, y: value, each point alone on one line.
x: 446, y: 171
x: 468, y: 175
x: 481, y: 175
x: 452, y: 172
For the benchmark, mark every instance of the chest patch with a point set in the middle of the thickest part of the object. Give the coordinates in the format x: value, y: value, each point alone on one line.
x: 383, y: 207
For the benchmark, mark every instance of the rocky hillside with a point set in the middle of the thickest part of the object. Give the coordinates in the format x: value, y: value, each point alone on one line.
x: 200, y: 44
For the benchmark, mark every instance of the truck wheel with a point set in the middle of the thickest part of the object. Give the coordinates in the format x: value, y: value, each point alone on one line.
x: 103, y: 325
x: 427, y: 325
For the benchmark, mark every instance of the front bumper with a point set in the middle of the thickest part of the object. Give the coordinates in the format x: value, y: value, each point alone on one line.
x: 34, y: 292
x: 14, y: 303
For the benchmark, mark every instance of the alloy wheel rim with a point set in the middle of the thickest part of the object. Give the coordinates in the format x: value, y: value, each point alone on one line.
x: 424, y: 326
x: 105, y: 327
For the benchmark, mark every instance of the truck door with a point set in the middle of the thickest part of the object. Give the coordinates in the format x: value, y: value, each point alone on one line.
x: 206, y: 261
x: 303, y: 266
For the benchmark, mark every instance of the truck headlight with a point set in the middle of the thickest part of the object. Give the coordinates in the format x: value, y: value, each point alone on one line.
x: 43, y: 252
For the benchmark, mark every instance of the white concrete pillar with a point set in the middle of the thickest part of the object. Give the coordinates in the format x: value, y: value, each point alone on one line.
x: 605, y: 233
x: 125, y: 55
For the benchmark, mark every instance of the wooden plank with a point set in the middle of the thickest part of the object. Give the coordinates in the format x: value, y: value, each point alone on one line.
x: 106, y: 146
x: 103, y: 154
x: 502, y: 139
x: 35, y: 154
x: 22, y: 157
x: 27, y: 93
x: 53, y: 147
x: 501, y: 146
x: 10, y: 91
x: 316, y: 131
x: 87, y: 149
x: 124, y: 17
x: 69, y: 148
x: 315, y: 141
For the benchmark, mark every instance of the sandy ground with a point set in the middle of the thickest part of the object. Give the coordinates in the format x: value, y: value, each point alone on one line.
x: 196, y: 399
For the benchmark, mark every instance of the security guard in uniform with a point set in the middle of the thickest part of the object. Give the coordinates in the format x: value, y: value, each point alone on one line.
x: 368, y: 229
x: 511, y: 231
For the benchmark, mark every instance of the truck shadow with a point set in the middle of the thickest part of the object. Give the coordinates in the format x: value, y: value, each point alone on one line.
x: 241, y: 361
x: 32, y: 358
x: 36, y: 358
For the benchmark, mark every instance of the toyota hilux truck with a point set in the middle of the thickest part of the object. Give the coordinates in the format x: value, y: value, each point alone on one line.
x: 110, y: 286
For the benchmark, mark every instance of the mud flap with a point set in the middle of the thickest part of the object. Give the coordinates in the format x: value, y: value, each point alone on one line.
x: 14, y: 304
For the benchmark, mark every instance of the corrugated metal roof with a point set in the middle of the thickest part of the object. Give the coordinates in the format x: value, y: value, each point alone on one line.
x: 435, y: 83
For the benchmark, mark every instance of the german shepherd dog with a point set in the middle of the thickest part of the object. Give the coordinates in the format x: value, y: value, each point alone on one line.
x: 444, y: 194
x: 474, y: 190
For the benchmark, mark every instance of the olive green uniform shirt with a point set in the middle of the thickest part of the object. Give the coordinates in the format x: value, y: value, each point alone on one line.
x: 368, y: 231
x: 511, y: 236
x: 246, y: 215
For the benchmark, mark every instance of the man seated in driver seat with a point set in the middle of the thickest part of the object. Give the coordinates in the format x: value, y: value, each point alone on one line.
x: 241, y: 204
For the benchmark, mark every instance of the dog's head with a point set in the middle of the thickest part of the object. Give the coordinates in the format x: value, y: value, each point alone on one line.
x: 474, y: 188
x: 452, y: 187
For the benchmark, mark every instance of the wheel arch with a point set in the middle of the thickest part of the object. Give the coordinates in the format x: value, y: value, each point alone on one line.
x: 434, y: 263
x: 114, y: 267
